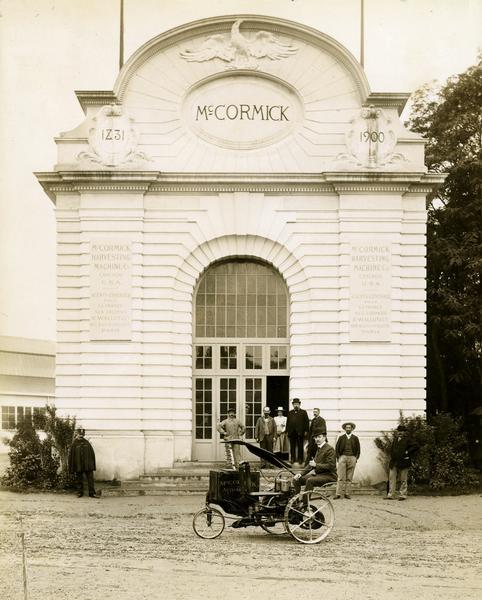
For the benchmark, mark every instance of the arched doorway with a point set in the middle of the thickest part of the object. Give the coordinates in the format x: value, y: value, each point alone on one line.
x: 241, y: 349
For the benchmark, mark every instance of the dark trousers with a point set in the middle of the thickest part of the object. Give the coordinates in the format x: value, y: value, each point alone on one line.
x: 312, y: 481
x: 267, y: 443
x: 296, y: 447
x: 80, y: 481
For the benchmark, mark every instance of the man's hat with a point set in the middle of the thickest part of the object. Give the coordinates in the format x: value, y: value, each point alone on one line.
x: 296, y: 401
x: 267, y: 409
x: 402, y: 428
x: 279, y: 408
x: 353, y: 426
x: 317, y: 431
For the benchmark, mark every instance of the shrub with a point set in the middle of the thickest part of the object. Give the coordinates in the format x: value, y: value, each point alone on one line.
x: 40, y: 463
x: 31, y: 460
x: 442, y: 458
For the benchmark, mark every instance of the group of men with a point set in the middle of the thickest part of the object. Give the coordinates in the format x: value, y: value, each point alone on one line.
x: 323, y: 464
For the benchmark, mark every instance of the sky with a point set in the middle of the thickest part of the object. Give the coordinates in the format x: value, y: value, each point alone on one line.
x: 50, y: 48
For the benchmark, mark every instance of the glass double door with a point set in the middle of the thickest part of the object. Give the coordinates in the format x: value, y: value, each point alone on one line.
x: 243, y: 377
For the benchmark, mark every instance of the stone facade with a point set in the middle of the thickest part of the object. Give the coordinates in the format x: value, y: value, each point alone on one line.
x: 256, y: 138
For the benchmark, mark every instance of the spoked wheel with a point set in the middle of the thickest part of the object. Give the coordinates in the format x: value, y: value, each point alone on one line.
x: 273, y: 526
x: 208, y: 523
x: 309, y: 517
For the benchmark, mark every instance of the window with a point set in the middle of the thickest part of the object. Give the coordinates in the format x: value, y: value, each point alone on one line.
x: 254, y: 357
x: 229, y: 357
x: 241, y: 299
x: 204, y: 408
x: 12, y: 416
x: 278, y: 357
x: 8, y: 417
x: 204, y: 357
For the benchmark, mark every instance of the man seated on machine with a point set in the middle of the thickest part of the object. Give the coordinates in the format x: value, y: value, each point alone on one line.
x: 323, y: 464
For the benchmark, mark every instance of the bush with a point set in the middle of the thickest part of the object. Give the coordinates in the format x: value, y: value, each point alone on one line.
x: 31, y: 460
x: 442, y: 457
x: 40, y: 463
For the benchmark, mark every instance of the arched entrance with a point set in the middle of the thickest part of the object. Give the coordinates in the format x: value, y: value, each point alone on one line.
x: 241, y: 349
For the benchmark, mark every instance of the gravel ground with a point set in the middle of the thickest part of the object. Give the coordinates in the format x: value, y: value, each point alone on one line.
x: 144, y: 548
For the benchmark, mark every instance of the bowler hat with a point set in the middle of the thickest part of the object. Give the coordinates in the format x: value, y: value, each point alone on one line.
x: 296, y: 401
x: 317, y: 431
x: 353, y: 426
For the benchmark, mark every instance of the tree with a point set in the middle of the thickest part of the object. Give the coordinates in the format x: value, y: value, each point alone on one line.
x: 450, y: 118
x: 60, y: 433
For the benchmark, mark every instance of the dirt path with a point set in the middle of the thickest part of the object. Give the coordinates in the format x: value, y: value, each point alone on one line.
x: 144, y: 548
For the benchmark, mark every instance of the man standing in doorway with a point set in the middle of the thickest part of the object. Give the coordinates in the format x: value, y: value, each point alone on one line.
x: 347, y: 453
x: 317, y: 423
x: 265, y: 431
x: 297, y: 426
x: 232, y: 429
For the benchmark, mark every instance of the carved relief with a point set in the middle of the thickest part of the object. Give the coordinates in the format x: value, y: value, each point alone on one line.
x: 371, y: 140
x: 239, y: 51
x: 112, y: 139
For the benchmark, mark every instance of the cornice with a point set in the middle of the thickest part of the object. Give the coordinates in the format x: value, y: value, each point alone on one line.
x: 267, y: 183
x: 388, y: 100
x: 95, y: 98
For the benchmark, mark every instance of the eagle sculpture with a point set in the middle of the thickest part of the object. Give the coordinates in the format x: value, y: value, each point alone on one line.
x: 240, y: 51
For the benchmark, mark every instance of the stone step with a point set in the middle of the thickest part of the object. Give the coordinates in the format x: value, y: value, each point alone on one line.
x: 152, y: 485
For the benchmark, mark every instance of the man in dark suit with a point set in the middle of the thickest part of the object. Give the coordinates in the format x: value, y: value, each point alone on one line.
x: 82, y: 460
x: 297, y: 426
x: 317, y: 422
x: 401, y: 454
x: 265, y: 431
x: 324, y: 466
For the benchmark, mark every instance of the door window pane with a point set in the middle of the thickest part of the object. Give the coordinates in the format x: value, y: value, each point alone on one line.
x: 204, y: 357
x: 229, y: 358
x: 227, y: 396
x: 253, y: 401
x: 278, y: 357
x: 254, y: 357
x: 203, y: 416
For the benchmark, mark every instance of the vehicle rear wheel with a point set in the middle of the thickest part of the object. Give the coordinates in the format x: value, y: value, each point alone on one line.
x: 309, y: 517
x: 208, y: 523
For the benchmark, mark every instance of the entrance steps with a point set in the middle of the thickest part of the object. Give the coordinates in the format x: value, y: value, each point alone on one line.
x: 192, y: 478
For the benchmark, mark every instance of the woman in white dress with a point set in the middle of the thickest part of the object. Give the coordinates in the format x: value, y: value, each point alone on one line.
x: 280, y: 445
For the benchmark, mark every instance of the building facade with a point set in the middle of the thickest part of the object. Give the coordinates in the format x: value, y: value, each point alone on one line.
x: 27, y: 384
x: 240, y: 221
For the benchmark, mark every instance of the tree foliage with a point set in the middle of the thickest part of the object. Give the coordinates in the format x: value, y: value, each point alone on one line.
x: 442, y: 458
x: 450, y: 118
x: 39, y: 451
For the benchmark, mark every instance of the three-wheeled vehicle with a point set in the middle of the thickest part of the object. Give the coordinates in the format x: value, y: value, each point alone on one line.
x: 235, y: 494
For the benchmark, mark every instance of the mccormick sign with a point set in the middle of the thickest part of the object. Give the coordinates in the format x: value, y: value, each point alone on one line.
x: 242, y: 111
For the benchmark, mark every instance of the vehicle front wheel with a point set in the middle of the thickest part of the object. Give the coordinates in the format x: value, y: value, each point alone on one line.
x: 208, y: 523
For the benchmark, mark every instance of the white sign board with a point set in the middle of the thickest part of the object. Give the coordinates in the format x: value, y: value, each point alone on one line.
x: 370, y: 291
x: 110, y: 290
